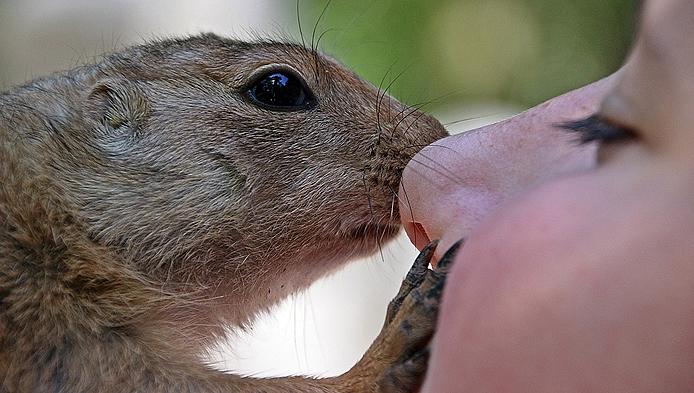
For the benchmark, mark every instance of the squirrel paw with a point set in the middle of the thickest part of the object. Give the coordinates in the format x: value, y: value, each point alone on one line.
x: 397, y: 359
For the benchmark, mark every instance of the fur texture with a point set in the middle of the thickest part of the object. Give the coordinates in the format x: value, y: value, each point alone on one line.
x: 146, y: 203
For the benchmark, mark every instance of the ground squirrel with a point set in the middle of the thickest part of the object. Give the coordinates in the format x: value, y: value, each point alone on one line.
x: 180, y: 187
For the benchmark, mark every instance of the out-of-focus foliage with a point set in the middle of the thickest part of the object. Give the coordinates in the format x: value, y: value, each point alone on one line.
x: 518, y: 51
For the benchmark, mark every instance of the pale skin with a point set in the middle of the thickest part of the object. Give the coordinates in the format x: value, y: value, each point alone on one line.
x: 578, y: 271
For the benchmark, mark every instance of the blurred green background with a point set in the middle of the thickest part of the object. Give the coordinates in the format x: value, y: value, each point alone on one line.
x: 516, y: 51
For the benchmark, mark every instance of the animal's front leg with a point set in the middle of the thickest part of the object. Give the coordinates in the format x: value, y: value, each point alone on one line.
x: 397, y: 359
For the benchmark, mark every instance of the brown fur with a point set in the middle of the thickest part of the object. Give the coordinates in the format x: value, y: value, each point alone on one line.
x: 145, y: 205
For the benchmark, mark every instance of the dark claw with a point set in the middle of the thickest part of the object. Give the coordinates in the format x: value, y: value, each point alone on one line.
x: 439, y: 274
x: 421, y: 263
x: 418, y: 272
x: 418, y: 300
x: 449, y: 256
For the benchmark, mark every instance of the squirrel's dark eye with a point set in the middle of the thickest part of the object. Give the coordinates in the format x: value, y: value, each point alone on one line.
x: 281, y: 91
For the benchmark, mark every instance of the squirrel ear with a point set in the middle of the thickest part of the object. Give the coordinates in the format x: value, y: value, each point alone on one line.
x: 117, y: 104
